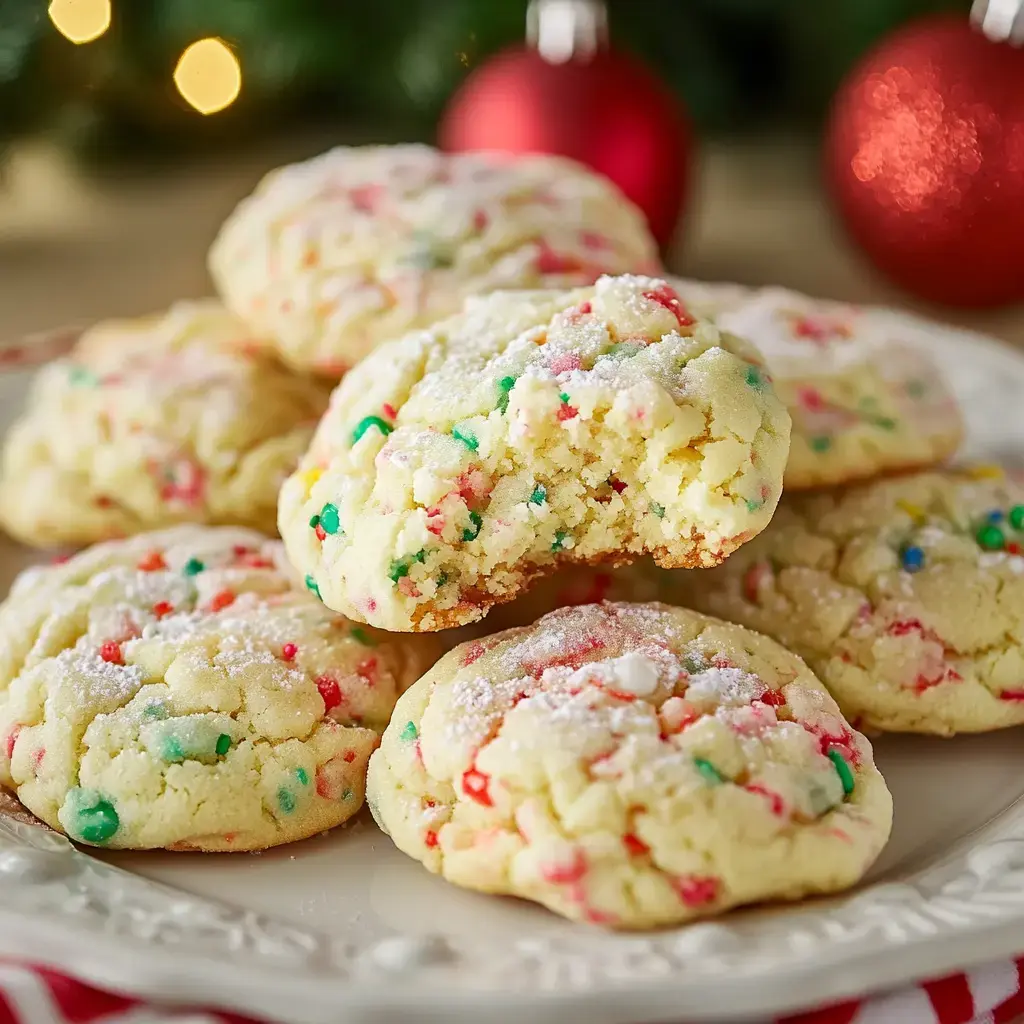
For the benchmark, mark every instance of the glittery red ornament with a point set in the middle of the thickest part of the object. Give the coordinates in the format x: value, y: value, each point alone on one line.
x: 925, y: 160
x: 570, y: 95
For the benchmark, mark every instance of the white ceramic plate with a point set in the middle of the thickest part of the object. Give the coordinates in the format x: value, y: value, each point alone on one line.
x: 345, y: 929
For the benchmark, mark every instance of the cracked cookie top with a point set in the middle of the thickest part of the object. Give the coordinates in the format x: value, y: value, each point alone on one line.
x: 631, y: 765
x: 332, y: 256
x: 176, y: 690
x: 151, y: 422
x: 534, y: 429
x: 905, y: 595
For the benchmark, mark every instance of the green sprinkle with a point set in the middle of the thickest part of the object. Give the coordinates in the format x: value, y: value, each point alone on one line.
x: 467, y: 437
x: 88, y: 816
x: 1017, y: 517
x: 193, y: 567
x: 559, y: 541
x: 314, y: 522
x: 286, y: 800
x: 302, y: 776
x: 505, y: 385
x: 709, y: 772
x: 916, y: 388
x: 658, y: 510
x: 329, y: 519
x: 311, y: 585
x: 538, y: 496
x: 442, y: 578
x: 346, y: 794
x: 471, y: 534
x: 755, y: 378
x: 400, y: 566
x: 564, y: 397
x: 623, y: 350
x: 80, y: 377
x: 694, y: 664
x: 360, y: 634
x: 223, y: 744
x: 371, y: 421
x: 884, y: 422
x: 172, y: 749
x: 821, y: 444
x: 155, y: 711
x: 990, y: 537
x: 843, y: 770
x: 753, y: 506
x: 409, y: 733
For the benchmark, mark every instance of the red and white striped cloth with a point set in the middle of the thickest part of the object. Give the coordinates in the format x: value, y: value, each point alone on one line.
x: 31, y: 994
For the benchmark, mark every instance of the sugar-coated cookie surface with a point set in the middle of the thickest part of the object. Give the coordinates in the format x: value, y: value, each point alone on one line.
x: 153, y: 422
x: 177, y: 690
x: 629, y: 765
x: 865, y: 396
x: 357, y: 246
x: 537, y: 428
x: 906, y: 596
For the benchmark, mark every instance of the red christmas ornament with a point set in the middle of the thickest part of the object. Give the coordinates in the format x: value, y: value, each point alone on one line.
x: 568, y: 94
x: 925, y: 159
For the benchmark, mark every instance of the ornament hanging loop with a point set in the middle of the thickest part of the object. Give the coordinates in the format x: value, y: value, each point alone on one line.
x: 564, y: 30
x: 1001, y: 21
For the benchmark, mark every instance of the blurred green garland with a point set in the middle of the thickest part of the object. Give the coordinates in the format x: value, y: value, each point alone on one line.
x: 390, y: 65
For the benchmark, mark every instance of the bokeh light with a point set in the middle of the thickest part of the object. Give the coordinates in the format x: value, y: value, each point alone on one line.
x: 208, y: 75
x: 81, y: 21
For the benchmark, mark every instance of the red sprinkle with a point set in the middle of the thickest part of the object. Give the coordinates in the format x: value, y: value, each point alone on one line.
x: 153, y: 562
x: 565, y: 874
x: 665, y: 296
x: 1013, y: 548
x: 111, y: 653
x: 221, y: 600
x: 389, y: 410
x: 474, y: 785
x: 634, y: 845
x: 773, y: 698
x: 778, y: 804
x: 479, y: 220
x: 435, y: 521
x: 330, y: 691
x: 12, y: 738
x: 1012, y: 695
x: 240, y: 550
x: 430, y: 839
x: 617, y: 486
x: 288, y: 652
x: 349, y: 756
x: 37, y: 758
x: 566, y: 363
x: 696, y: 891
x: 321, y: 533
x: 567, y: 412
x: 473, y: 652
x: 324, y: 788
x: 162, y: 608
x: 367, y: 669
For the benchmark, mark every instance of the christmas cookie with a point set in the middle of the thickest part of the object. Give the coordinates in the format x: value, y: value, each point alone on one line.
x: 176, y: 690
x: 906, y: 596
x: 535, y: 429
x: 864, y: 395
x: 630, y: 765
x: 332, y: 256
x: 154, y: 422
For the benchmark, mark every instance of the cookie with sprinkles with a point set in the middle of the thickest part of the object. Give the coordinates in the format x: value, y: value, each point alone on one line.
x: 176, y: 690
x: 905, y: 595
x: 535, y: 429
x: 357, y: 246
x: 631, y: 766
x: 865, y: 396
x: 151, y: 422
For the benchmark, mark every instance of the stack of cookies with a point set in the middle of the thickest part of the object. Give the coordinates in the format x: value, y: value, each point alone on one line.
x: 526, y: 416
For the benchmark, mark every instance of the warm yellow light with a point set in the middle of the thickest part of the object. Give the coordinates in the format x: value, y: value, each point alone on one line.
x: 209, y: 76
x: 81, y: 21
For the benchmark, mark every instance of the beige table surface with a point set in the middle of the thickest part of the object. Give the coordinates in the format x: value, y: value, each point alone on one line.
x: 75, y: 248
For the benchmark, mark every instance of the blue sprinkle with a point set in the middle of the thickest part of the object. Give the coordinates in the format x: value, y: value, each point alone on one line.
x: 995, y: 516
x: 913, y: 558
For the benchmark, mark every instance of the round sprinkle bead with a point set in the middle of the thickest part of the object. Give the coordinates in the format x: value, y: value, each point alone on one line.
x: 912, y: 558
x: 1017, y: 517
x: 990, y: 537
x: 193, y: 567
x: 88, y: 816
x: 223, y: 744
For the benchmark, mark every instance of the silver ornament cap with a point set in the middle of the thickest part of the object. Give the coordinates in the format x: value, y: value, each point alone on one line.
x: 564, y: 30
